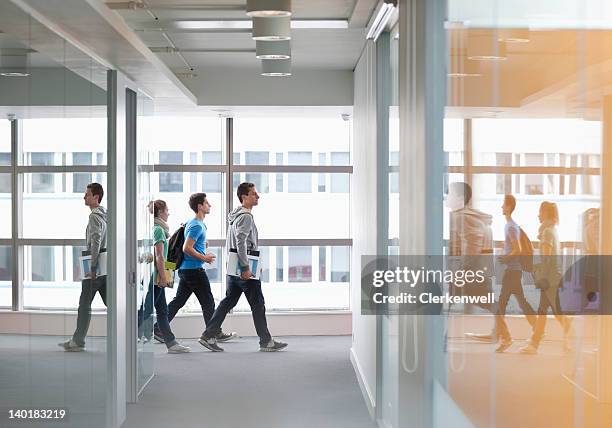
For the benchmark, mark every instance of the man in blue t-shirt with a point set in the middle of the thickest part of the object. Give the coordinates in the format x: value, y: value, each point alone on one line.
x: 193, y: 278
x: 511, y: 281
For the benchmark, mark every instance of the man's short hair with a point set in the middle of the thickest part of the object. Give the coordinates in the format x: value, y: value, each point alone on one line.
x: 158, y: 207
x: 96, y: 190
x: 463, y: 189
x: 243, y: 190
x: 195, y: 200
x: 510, y: 201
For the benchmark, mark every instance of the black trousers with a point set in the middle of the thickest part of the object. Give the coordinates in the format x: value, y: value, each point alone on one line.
x: 252, y: 290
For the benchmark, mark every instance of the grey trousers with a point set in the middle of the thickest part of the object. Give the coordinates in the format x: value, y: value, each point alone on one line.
x: 88, y: 292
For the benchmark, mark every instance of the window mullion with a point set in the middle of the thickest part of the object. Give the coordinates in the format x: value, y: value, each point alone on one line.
x: 17, y: 189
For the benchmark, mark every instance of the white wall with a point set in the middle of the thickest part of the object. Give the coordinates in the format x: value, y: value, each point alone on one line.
x: 248, y: 88
x: 363, y: 351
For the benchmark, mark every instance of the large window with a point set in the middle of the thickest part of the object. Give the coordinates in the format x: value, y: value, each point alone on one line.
x: 515, y: 156
x: 5, y: 276
x: 302, y: 171
x: 5, y: 205
x: 301, y: 168
x: 53, y: 210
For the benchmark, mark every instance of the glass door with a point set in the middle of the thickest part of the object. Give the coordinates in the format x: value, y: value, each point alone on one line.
x: 146, y: 252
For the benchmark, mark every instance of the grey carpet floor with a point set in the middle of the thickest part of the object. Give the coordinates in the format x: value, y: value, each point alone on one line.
x: 36, y: 374
x: 311, y: 384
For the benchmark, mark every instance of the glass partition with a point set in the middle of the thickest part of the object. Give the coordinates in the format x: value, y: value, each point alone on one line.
x: 523, y: 125
x: 45, y: 286
x: 145, y: 296
x: 525, y: 136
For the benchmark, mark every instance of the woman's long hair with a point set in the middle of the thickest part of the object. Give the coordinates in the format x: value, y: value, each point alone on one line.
x: 550, y: 212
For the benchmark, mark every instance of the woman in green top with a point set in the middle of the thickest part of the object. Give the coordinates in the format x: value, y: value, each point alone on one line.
x: 161, y: 233
x: 548, y: 277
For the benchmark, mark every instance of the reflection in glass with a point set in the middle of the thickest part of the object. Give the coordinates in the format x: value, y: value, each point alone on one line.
x: 6, y: 275
x: 64, y: 209
x: 300, y: 264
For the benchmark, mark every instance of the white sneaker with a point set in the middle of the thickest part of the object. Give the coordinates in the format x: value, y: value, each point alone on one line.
x: 178, y: 349
x: 529, y: 349
x: 71, y: 346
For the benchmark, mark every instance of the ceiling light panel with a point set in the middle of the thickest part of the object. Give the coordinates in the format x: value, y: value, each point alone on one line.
x: 240, y: 25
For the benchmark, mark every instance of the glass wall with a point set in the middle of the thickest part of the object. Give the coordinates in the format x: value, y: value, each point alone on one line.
x: 536, y: 136
x: 145, y: 258
x: 301, y: 167
x: 525, y: 114
x: 57, y: 133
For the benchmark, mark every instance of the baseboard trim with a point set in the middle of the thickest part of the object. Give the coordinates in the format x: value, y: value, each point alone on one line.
x: 184, y: 326
x: 365, y: 390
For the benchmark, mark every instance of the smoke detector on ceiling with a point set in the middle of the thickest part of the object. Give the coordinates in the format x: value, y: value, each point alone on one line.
x: 185, y: 74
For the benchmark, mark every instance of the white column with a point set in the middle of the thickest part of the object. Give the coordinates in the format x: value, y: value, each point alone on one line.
x: 116, y: 249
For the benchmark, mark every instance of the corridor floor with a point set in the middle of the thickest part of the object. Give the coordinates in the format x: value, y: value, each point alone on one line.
x: 311, y: 384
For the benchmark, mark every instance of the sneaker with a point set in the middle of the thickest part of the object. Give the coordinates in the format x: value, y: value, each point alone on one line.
x: 485, y: 338
x: 272, y: 346
x: 505, y: 344
x: 144, y: 339
x: 224, y: 337
x: 529, y: 349
x: 158, y: 337
x: 71, y: 346
x: 178, y: 349
x: 210, y: 344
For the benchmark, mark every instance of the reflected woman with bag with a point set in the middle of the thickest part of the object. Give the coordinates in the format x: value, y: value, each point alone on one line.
x: 548, y: 278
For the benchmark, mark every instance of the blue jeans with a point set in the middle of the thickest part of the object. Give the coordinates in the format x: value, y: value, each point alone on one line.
x: 156, y: 296
x: 252, y: 290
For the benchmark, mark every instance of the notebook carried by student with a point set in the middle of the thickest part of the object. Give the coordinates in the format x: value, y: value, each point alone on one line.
x: 85, y: 263
x: 233, y: 266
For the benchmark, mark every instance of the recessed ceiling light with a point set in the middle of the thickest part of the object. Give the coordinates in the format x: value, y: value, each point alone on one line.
x: 514, y: 35
x: 486, y: 48
x: 268, y: 8
x: 464, y: 75
x: 487, y: 58
x: 14, y: 74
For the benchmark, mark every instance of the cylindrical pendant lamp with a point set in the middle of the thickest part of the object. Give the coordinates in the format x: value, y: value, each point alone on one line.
x: 273, y: 29
x: 263, y: 8
x: 273, y: 50
x: 276, y: 67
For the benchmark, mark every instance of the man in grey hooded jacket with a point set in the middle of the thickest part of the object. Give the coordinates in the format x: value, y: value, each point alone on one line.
x: 95, y: 237
x: 242, y: 237
x: 471, y: 235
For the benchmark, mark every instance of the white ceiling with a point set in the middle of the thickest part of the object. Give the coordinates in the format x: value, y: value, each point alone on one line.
x: 93, y: 35
x: 312, y: 49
